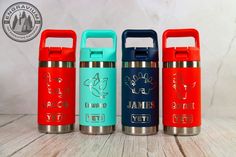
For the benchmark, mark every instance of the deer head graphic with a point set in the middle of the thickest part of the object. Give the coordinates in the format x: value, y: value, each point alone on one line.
x: 140, y: 84
x: 182, y: 88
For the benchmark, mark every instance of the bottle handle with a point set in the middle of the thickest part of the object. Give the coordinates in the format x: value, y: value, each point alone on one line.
x: 180, y: 33
x: 99, y: 34
x: 57, y: 34
x: 142, y: 33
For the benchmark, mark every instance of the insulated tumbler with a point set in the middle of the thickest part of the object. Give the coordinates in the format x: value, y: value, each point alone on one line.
x: 56, y: 84
x: 181, y: 85
x: 97, y: 85
x: 140, y: 78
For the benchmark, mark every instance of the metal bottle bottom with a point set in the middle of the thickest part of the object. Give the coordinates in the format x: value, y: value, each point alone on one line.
x: 182, y: 131
x: 130, y: 130
x: 56, y: 129
x: 97, y: 130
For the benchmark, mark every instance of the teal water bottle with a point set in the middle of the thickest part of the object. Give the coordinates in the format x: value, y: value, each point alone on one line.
x: 97, y: 85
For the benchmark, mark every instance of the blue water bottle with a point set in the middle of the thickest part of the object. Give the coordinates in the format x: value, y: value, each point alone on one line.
x: 97, y: 85
x: 140, y: 85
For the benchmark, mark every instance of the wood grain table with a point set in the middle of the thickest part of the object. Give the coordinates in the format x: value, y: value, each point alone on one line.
x: 19, y: 137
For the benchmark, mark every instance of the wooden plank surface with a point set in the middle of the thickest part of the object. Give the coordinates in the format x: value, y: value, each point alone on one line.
x: 18, y: 134
x: 218, y: 138
x: 6, y: 119
x: 19, y: 137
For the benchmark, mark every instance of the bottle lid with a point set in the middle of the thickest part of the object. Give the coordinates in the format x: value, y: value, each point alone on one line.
x: 139, y: 53
x: 57, y: 53
x: 171, y: 54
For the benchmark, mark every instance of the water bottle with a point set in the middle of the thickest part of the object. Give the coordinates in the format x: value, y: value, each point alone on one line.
x: 140, y: 78
x: 56, y: 84
x: 181, y: 85
x: 97, y: 85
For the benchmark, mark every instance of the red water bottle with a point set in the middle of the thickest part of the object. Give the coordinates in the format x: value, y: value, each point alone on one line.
x: 56, y: 84
x: 181, y: 85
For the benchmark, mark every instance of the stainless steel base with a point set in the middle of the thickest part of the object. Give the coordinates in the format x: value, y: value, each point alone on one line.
x: 56, y: 129
x: 97, y: 130
x: 182, y: 131
x: 140, y: 130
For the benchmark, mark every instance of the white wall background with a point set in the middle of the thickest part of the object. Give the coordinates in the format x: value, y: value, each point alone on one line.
x: 215, y: 19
